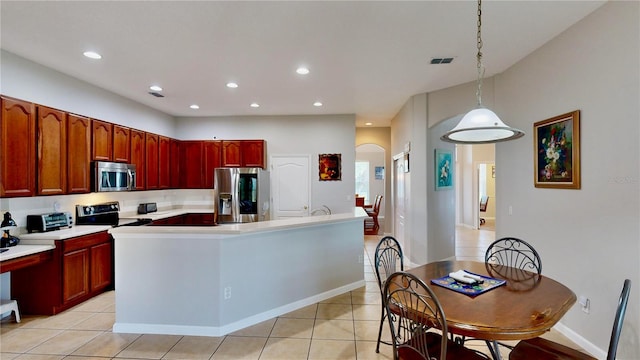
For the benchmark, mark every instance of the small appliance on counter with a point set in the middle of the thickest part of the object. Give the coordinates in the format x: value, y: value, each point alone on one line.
x: 146, y: 208
x: 8, y: 239
x: 49, y: 221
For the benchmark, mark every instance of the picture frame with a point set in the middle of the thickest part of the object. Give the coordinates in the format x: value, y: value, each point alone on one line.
x: 556, y: 152
x: 379, y: 172
x: 330, y: 167
x: 444, y: 166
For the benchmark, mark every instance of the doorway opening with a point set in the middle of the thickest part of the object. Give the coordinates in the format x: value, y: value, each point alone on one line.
x: 370, y: 175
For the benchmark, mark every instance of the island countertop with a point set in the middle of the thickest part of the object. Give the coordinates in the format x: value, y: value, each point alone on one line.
x: 246, y: 228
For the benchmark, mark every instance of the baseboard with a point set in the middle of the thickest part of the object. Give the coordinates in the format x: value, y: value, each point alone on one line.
x: 580, y: 341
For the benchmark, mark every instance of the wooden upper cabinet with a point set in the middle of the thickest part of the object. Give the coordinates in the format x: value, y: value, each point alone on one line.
x: 121, y: 144
x: 151, y: 162
x: 138, y: 157
x: 17, y: 148
x: 164, y: 174
x: 78, y: 154
x: 174, y: 163
x: 212, y: 159
x: 191, y: 157
x: 253, y: 154
x: 231, y: 153
x: 102, y: 140
x: 52, y: 151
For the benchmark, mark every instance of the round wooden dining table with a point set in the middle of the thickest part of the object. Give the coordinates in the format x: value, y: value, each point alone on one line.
x: 526, y: 306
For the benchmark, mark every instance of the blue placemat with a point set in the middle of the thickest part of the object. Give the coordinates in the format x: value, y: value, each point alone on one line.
x: 469, y: 289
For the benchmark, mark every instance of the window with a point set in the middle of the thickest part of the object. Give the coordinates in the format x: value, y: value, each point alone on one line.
x: 362, y: 180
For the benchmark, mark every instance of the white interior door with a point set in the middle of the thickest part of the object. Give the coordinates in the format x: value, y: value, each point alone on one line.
x: 290, y: 185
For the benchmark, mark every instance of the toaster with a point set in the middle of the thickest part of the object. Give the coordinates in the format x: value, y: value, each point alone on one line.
x: 146, y: 208
x: 49, y: 221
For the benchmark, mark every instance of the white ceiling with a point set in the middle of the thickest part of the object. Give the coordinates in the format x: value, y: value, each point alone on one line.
x: 366, y: 57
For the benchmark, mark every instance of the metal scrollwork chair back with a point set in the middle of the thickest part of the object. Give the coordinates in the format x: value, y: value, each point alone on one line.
x: 413, y: 312
x: 388, y: 260
x: 514, y: 253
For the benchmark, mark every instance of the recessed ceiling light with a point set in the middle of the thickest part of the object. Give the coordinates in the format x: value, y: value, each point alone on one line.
x: 194, y: 106
x: 254, y: 105
x: 302, y: 70
x: 92, y: 55
x: 232, y: 85
x: 317, y: 103
x: 368, y: 123
x: 155, y: 88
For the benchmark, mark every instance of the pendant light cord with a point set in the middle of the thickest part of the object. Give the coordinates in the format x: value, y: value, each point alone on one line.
x: 479, y: 55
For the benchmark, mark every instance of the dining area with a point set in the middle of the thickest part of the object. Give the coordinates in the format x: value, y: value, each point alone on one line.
x: 500, y: 306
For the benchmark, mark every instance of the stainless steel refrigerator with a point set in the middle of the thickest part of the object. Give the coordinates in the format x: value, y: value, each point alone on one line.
x: 241, y: 195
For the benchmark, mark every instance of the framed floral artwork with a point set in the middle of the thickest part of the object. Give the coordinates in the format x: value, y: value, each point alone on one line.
x: 556, y: 158
x: 444, y: 169
x: 330, y: 167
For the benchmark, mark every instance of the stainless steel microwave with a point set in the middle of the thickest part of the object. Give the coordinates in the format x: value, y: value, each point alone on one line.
x: 112, y: 176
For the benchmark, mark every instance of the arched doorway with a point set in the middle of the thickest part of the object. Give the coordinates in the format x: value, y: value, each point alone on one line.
x: 371, y: 174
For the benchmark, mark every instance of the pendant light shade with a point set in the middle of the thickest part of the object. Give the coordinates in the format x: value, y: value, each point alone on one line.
x: 481, y: 125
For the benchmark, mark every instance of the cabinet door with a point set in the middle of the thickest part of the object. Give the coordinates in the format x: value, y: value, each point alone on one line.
x: 17, y: 148
x: 78, y: 154
x: 138, y: 157
x: 231, y: 153
x: 164, y: 175
x: 101, y: 268
x: 102, y: 138
x: 121, y: 144
x: 52, y: 151
x: 75, y: 274
x: 174, y: 161
x: 212, y: 157
x: 152, y: 161
x: 253, y: 154
x: 191, y: 162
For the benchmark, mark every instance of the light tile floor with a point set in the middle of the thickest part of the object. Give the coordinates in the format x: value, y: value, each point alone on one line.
x: 344, y: 327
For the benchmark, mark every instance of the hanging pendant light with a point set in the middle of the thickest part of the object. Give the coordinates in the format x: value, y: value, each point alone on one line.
x: 481, y: 125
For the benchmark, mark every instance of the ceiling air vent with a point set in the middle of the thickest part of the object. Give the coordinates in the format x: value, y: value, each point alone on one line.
x: 156, y: 94
x: 435, y: 61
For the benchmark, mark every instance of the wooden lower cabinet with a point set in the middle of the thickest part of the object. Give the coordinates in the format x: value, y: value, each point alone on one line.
x: 190, y: 219
x: 75, y: 275
x: 80, y: 268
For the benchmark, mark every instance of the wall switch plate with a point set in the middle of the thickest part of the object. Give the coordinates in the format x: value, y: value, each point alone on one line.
x: 585, y: 304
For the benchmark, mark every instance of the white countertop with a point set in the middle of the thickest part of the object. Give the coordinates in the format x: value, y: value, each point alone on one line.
x: 240, y: 228
x: 24, y: 250
x: 49, y: 237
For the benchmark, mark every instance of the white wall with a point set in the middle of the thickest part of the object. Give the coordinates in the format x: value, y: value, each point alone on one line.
x: 292, y: 135
x: 26, y: 80
x: 589, y: 239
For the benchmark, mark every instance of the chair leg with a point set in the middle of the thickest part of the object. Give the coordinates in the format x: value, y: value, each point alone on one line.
x: 380, y: 330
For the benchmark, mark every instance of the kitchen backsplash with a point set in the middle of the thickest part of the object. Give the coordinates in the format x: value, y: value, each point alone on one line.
x: 166, y: 199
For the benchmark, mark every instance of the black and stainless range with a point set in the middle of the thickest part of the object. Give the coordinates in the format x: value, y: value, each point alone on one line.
x: 106, y: 214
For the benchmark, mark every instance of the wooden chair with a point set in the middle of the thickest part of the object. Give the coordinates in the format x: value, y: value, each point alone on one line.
x: 418, y: 324
x: 388, y: 260
x: 543, y: 349
x: 483, y: 207
x: 371, y: 225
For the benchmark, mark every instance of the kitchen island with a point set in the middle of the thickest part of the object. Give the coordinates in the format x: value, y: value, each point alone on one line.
x: 211, y: 281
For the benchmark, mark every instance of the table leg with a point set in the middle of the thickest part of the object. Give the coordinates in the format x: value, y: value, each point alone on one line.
x: 494, y: 347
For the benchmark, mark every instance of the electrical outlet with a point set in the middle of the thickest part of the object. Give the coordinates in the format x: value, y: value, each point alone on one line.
x: 227, y: 293
x: 585, y: 304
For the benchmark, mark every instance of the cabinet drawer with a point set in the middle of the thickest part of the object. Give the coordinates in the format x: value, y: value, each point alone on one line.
x: 83, y: 242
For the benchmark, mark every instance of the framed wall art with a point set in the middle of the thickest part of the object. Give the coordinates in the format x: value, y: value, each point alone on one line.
x: 556, y: 158
x: 330, y: 167
x: 444, y: 169
x: 379, y: 172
